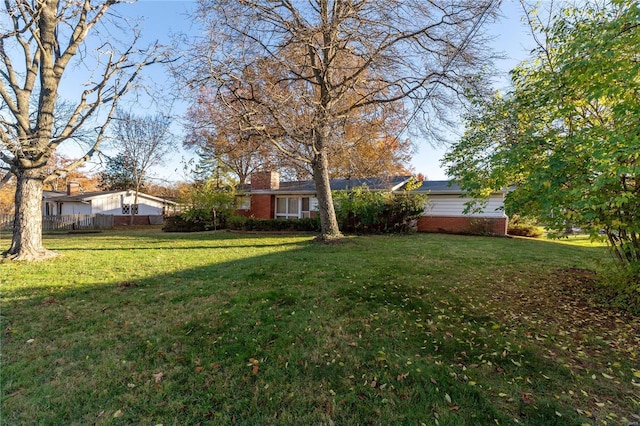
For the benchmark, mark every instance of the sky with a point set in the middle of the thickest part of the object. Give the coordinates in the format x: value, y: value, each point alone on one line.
x: 160, y: 19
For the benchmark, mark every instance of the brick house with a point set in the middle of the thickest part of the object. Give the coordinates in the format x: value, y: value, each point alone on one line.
x: 266, y: 197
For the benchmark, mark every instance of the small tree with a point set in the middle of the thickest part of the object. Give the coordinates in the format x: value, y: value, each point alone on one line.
x: 208, y: 206
x: 117, y: 175
x: 141, y: 142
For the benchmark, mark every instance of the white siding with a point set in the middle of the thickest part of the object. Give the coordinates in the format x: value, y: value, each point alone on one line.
x: 70, y: 207
x: 112, y: 204
x: 108, y: 204
x: 454, y: 205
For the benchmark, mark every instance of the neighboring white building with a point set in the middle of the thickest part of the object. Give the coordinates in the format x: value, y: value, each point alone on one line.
x: 117, y: 203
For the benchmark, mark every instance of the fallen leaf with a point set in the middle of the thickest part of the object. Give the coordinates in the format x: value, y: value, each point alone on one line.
x: 16, y: 393
x: 198, y: 369
x: 158, y: 377
x: 527, y: 398
x: 117, y: 414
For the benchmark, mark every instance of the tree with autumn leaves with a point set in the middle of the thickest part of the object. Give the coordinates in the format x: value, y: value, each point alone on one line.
x: 365, y: 143
x: 295, y: 73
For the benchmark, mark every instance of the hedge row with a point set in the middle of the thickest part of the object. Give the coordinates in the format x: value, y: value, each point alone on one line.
x: 243, y: 223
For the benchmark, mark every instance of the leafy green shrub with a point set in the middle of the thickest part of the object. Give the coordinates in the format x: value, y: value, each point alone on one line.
x: 364, y: 211
x: 208, y: 207
x: 402, y: 212
x: 525, y: 230
x: 243, y: 223
x: 178, y: 223
x: 524, y: 227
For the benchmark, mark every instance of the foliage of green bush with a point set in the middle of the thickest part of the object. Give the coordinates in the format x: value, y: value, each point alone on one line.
x: 525, y: 230
x: 208, y: 208
x: 243, y: 223
x: 364, y: 211
x: 523, y: 226
x: 178, y: 223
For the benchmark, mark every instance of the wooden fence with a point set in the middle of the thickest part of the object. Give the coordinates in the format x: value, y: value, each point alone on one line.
x: 65, y: 222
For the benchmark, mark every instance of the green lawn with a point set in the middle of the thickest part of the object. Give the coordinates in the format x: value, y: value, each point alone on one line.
x: 221, y: 328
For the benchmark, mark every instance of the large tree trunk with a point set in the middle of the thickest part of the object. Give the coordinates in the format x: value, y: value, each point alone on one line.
x: 329, y: 229
x: 27, y: 227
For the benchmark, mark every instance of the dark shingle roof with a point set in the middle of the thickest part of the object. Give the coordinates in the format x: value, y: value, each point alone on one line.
x: 390, y: 183
x: 62, y: 196
x: 439, y: 187
x: 308, y: 186
x: 384, y: 183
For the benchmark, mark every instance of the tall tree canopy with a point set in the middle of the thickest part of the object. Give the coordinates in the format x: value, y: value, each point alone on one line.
x: 294, y: 71
x: 221, y: 139
x: 568, y: 135
x: 40, y: 40
x: 365, y: 142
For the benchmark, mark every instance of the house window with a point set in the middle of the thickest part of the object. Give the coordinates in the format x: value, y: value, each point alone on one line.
x: 305, y: 210
x: 245, y: 203
x: 126, y: 208
x: 292, y: 207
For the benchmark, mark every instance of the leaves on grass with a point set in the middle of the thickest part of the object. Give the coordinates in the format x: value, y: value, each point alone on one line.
x: 253, y: 363
x: 402, y: 376
x: 126, y: 284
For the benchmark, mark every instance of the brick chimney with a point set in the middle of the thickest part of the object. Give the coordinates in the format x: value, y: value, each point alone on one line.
x: 265, y: 180
x: 73, y: 188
